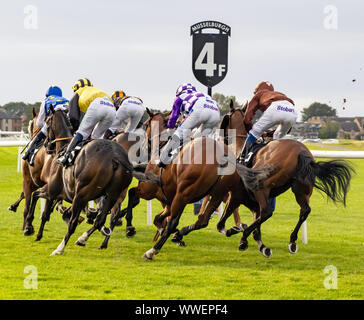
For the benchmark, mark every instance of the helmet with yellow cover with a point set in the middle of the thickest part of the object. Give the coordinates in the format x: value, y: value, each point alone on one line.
x: 84, y: 82
x: 118, y: 94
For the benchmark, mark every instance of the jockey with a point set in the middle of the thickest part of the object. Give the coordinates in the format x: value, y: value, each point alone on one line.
x: 129, y: 109
x: 277, y: 109
x: 53, y: 98
x: 88, y: 107
x: 200, y: 110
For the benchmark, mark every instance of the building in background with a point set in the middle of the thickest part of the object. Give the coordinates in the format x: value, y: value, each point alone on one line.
x: 10, y: 121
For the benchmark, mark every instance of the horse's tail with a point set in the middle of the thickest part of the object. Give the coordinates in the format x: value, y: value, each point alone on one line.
x: 333, y: 177
x: 253, y: 179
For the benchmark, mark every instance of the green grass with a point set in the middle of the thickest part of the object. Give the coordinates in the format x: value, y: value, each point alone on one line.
x: 209, y: 267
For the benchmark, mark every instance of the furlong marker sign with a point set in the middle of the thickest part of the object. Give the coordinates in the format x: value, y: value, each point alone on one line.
x: 210, y: 52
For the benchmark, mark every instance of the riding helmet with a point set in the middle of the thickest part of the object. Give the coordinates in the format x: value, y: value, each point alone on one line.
x: 84, y: 82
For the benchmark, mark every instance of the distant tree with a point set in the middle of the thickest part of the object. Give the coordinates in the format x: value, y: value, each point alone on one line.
x: 224, y: 102
x: 317, y: 109
x: 329, y: 131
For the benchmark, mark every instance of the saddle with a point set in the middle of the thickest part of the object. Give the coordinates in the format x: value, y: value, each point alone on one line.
x: 249, y: 159
x: 73, y: 154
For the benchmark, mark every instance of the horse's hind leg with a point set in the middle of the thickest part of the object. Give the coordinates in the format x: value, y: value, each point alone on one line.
x: 77, y: 205
x: 115, y: 215
x: 302, y: 194
x: 265, y: 214
x: 134, y: 200
x: 46, y: 214
x: 15, y: 205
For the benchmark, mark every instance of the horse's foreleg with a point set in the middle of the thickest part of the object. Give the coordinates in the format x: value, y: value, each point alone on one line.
x: 202, y: 220
x: 177, y: 208
x: 232, y: 205
x: 15, y: 205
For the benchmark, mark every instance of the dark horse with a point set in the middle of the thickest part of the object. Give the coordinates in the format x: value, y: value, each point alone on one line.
x: 277, y: 167
x: 101, y: 169
x: 128, y: 141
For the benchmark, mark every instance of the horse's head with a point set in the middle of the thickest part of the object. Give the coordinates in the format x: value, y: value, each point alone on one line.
x: 157, y: 120
x: 234, y: 120
x: 59, y: 126
x: 32, y: 130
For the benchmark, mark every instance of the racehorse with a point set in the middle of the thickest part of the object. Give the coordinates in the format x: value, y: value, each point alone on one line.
x: 181, y: 182
x: 33, y: 178
x: 231, y: 121
x: 101, y: 169
x: 278, y: 166
x: 127, y: 141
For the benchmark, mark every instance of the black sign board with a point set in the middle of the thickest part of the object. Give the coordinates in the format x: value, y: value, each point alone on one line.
x: 210, y: 52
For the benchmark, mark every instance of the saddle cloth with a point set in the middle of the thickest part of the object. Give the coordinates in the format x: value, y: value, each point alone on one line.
x: 249, y: 159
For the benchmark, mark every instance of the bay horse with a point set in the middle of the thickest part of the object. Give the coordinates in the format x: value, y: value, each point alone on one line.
x: 277, y: 167
x: 182, y: 182
x: 101, y: 169
x: 127, y: 142
x: 33, y: 178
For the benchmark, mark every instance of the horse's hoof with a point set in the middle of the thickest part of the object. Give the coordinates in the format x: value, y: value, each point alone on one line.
x: 106, y: 231
x: 119, y: 222
x: 102, y: 247
x: 80, y: 220
x: 56, y: 252
x: 130, y: 232
x: 28, y: 231
x: 181, y: 243
x: 267, y: 252
x: 80, y: 243
x: 177, y: 238
x: 292, y: 247
x: 243, y: 245
x: 90, y: 221
x: 11, y: 208
x: 38, y: 238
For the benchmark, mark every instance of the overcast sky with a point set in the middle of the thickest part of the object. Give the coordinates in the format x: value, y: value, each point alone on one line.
x: 145, y: 48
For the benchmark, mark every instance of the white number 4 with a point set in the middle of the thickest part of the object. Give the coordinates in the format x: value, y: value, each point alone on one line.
x: 209, y: 66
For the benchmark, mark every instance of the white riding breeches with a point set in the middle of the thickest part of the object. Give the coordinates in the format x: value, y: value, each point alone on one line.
x: 204, y: 115
x: 281, y: 113
x: 98, y: 118
x: 131, y: 111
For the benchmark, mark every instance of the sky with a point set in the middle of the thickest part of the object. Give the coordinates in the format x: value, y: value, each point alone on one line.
x: 310, y: 50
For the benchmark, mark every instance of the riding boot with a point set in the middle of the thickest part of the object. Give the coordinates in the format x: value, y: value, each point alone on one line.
x: 167, y: 156
x: 247, y: 147
x: 65, y: 157
x: 29, y: 154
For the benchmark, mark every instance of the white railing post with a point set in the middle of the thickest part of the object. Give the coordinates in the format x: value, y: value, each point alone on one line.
x: 149, y: 212
x: 304, y: 232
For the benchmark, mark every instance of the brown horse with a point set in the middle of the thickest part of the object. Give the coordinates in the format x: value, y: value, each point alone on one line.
x: 182, y: 182
x: 128, y: 141
x: 232, y: 121
x: 280, y: 165
x: 102, y: 169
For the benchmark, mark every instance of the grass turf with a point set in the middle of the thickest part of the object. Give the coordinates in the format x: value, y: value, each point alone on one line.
x: 209, y: 267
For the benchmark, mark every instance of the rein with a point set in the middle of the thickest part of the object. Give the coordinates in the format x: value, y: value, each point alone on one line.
x: 61, y: 139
